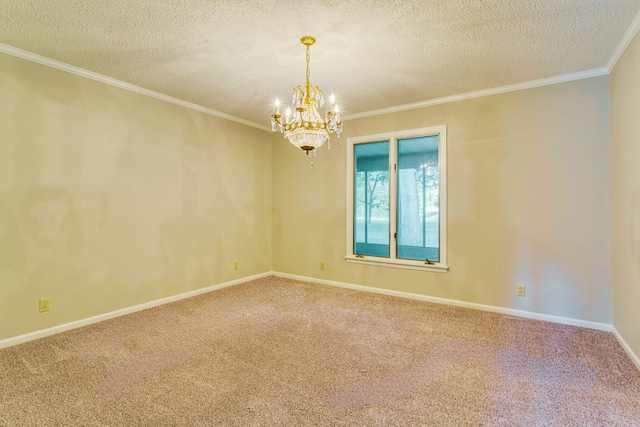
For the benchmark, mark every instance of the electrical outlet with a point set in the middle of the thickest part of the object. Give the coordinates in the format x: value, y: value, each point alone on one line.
x: 235, y: 265
x: 520, y: 290
x: 321, y: 265
x: 44, y: 305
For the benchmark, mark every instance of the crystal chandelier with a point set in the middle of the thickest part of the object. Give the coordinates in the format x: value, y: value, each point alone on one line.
x: 304, y: 126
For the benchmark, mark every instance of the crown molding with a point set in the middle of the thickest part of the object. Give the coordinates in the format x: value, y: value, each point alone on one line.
x: 596, y: 72
x: 624, y: 43
x: 13, y: 51
x: 629, y: 34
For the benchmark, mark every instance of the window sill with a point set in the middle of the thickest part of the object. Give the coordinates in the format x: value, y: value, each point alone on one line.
x: 398, y: 263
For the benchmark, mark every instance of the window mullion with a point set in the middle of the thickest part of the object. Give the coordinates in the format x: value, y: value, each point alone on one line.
x: 367, y: 213
x: 393, y: 199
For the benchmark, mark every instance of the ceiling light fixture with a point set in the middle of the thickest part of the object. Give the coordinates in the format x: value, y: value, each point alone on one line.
x: 304, y: 127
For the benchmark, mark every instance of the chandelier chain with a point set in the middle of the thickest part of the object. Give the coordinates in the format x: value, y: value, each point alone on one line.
x: 308, y: 73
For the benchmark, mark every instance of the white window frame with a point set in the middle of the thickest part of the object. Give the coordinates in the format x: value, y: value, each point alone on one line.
x: 393, y: 137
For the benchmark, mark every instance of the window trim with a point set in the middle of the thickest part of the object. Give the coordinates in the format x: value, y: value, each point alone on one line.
x: 392, y: 137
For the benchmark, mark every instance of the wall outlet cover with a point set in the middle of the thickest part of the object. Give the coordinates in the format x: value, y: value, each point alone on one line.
x: 44, y: 305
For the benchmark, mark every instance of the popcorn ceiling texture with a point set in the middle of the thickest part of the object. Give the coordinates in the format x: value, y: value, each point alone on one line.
x: 279, y: 352
x: 237, y: 56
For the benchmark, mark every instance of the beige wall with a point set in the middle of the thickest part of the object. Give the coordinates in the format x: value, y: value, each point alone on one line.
x: 528, y: 202
x: 109, y: 199
x: 625, y: 194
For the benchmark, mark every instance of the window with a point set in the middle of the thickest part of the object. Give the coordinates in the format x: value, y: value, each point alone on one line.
x: 396, y: 199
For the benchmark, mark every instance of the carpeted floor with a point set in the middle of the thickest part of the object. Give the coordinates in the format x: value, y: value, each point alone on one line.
x: 277, y: 352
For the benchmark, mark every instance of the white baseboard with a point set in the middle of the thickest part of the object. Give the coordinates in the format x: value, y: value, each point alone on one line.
x: 494, y: 309
x: 117, y: 313
x: 520, y: 313
x: 627, y: 348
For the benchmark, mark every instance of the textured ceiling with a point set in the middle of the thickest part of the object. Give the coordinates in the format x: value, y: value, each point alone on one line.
x: 236, y: 56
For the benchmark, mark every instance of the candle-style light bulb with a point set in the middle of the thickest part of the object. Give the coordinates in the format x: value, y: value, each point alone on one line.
x: 277, y: 106
x: 336, y: 109
x: 288, y: 113
x: 332, y: 98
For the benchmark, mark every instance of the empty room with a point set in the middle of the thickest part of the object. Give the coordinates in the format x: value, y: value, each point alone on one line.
x: 331, y: 213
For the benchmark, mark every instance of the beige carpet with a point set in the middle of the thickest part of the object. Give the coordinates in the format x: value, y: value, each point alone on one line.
x: 276, y: 352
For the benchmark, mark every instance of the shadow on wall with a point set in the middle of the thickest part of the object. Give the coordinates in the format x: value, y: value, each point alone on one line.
x: 490, y: 256
x: 48, y: 222
x: 188, y: 241
x: 55, y: 219
x: 515, y: 198
x: 51, y: 219
x: 110, y: 199
x: 186, y: 244
x: 47, y: 238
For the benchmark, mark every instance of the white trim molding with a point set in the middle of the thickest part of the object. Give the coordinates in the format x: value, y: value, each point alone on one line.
x: 397, y: 263
x: 10, y: 50
x: 627, y: 348
x: 117, y: 313
x: 624, y: 43
x: 519, y: 313
x: 13, y: 51
x: 494, y: 309
x: 596, y: 72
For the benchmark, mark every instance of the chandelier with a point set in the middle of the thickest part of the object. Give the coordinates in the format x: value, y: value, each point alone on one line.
x: 304, y: 126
